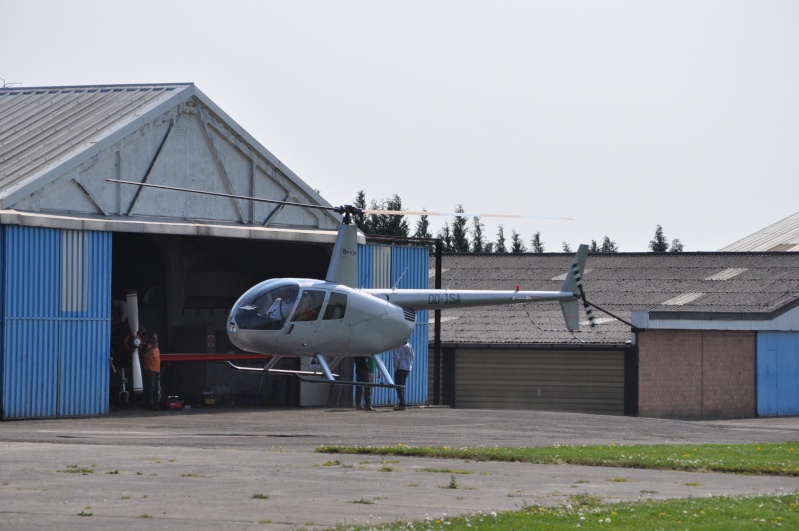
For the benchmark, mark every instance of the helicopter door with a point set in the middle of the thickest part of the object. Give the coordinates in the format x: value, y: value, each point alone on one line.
x: 305, y: 322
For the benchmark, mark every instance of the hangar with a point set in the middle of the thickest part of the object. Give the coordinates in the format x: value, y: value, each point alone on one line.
x: 710, y: 335
x: 71, y: 241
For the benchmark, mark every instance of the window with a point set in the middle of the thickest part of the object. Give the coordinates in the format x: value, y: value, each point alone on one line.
x: 309, y: 306
x: 336, y: 306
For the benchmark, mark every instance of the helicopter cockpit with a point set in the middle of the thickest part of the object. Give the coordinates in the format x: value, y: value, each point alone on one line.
x: 266, y: 306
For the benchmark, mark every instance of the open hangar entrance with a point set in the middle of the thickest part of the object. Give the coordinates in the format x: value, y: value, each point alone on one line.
x: 186, y: 287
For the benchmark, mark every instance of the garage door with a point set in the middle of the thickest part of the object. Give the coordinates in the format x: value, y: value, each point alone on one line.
x: 573, y: 381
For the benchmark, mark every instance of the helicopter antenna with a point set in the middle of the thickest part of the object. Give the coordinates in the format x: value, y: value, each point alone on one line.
x: 455, y: 274
x: 400, y: 278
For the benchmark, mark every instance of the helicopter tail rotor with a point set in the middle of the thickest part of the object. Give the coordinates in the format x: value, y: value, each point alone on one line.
x: 574, y: 284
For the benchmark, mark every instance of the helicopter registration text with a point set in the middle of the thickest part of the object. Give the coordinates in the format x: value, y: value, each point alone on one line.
x: 446, y: 298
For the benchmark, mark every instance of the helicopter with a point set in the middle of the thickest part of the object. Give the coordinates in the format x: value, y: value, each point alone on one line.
x: 302, y: 317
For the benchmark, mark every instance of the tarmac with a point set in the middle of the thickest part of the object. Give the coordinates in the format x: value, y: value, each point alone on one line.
x: 213, y: 468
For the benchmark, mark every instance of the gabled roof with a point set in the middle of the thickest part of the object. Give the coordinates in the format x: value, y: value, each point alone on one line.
x: 58, y: 145
x: 780, y: 236
x: 43, y: 126
x: 719, y: 287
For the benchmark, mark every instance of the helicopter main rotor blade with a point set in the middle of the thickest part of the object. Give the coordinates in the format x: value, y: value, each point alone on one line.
x: 454, y: 214
x: 343, y: 209
x: 222, y: 194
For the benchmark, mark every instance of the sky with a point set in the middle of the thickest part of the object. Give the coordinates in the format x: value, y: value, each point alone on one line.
x: 623, y: 115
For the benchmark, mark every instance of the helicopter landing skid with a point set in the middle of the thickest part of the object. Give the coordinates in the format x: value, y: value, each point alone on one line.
x: 309, y: 379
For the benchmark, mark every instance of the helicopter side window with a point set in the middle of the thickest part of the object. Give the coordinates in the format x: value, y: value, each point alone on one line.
x: 267, y: 310
x: 336, y: 306
x: 309, y: 306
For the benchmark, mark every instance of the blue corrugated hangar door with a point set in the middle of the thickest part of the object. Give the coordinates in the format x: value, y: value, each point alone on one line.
x: 55, y: 322
x: 777, y: 373
x: 384, y: 266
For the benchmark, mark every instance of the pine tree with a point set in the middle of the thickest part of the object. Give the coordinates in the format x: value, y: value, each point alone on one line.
x: 609, y: 246
x: 593, y: 248
x: 423, y: 227
x: 536, y: 244
x: 659, y: 244
x: 388, y: 224
x: 499, y: 247
x: 566, y: 248
x: 517, y: 243
x: 446, y: 239
x: 460, y: 233
x: 478, y: 242
x: 361, y: 220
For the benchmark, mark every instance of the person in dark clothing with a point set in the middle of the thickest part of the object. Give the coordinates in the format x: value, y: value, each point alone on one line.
x: 363, y: 394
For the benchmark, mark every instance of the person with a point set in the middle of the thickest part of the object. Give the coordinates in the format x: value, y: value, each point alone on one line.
x: 403, y: 363
x: 363, y: 394
x: 279, y: 309
x: 151, y: 368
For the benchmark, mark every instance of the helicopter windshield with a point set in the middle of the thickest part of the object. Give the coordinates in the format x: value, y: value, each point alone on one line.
x: 266, y: 307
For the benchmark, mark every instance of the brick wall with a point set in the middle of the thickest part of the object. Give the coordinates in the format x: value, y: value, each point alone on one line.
x: 696, y: 374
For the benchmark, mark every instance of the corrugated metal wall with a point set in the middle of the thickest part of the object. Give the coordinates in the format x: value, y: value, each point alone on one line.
x: 384, y: 266
x: 777, y: 373
x: 573, y: 381
x: 55, y: 322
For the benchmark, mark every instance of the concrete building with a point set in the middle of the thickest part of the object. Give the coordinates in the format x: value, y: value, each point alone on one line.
x: 713, y: 335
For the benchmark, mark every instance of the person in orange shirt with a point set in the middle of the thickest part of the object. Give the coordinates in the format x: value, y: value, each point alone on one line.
x: 151, y: 369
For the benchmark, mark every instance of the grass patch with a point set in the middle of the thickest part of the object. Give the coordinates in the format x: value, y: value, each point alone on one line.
x: 86, y: 511
x: 445, y: 470
x: 75, y: 469
x: 364, y: 501
x: 260, y: 496
x: 781, y: 459
x: 588, y: 512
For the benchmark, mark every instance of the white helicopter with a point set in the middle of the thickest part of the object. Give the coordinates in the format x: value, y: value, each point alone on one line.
x: 302, y: 317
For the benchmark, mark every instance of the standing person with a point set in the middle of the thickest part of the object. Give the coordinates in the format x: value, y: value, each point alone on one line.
x: 151, y: 368
x: 403, y: 363
x: 363, y: 393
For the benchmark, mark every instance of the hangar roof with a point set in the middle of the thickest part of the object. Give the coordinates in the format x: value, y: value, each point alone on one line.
x: 780, y: 236
x: 689, y: 290
x: 58, y: 145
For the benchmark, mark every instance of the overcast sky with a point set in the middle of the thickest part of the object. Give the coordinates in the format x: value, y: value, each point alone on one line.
x: 621, y: 114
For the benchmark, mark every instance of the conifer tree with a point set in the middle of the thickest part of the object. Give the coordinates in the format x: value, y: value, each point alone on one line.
x: 609, y: 246
x: 537, y: 246
x: 659, y: 244
x: 566, y: 248
x: 478, y: 241
x: 499, y: 247
x: 361, y: 220
x: 446, y: 238
x: 422, y: 227
x: 517, y: 243
x: 460, y: 233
